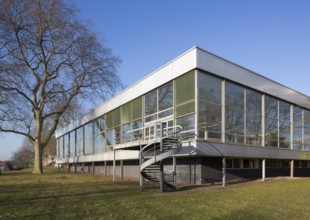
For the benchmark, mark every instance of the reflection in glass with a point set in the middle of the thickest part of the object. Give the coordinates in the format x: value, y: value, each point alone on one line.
x: 210, y: 108
x: 188, y: 126
x: 126, y: 137
x: 234, y: 113
x: 271, y: 122
x: 61, y: 147
x: 253, y: 117
x: 99, y: 125
x: 79, y: 141
x: 88, y: 149
x: 151, y: 103
x: 72, y: 143
x: 159, y: 103
x: 165, y: 97
x: 210, y: 116
x: 284, y: 124
x: 110, y: 139
x: 137, y: 130
x: 117, y: 135
x: 66, y: 145
x: 307, y: 130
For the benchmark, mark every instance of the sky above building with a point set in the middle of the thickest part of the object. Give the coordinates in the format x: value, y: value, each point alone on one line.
x: 271, y: 38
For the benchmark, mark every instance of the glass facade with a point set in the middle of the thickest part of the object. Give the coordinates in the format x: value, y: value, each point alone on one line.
x: 271, y: 122
x: 210, y: 107
x: 234, y: 113
x: 80, y: 141
x: 306, y: 130
x: 72, y: 144
x: 159, y: 103
x: 88, y: 138
x: 223, y: 111
x: 297, y: 129
x: 253, y: 117
x: 99, y: 134
x: 185, y: 94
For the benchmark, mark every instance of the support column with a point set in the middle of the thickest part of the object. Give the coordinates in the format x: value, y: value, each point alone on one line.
x: 161, y: 162
x: 224, y: 172
x: 75, y: 168
x: 105, y: 168
x: 292, y: 169
x: 161, y: 183
x: 83, y: 167
x: 122, y: 169
x: 140, y: 163
x: 174, y: 170
x: 113, y: 165
x: 69, y: 167
x: 263, y: 169
x: 93, y: 167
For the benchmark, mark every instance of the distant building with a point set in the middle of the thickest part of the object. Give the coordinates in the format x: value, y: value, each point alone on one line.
x: 224, y: 121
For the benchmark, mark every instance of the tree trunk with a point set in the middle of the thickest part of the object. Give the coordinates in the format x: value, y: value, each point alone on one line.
x: 38, y: 163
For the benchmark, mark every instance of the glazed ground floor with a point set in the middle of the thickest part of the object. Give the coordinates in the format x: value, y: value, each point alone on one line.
x: 199, y: 170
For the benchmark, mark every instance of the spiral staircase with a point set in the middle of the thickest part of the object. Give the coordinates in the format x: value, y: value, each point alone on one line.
x: 152, y: 156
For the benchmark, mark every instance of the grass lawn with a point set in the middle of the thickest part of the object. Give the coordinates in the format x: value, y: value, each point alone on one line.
x: 54, y: 195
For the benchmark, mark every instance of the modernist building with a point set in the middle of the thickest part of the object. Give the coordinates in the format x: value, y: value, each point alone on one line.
x: 226, y: 122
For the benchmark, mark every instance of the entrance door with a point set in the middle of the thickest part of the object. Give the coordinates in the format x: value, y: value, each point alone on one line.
x: 158, y: 129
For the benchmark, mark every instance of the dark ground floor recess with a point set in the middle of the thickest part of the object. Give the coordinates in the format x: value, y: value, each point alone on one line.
x: 199, y: 170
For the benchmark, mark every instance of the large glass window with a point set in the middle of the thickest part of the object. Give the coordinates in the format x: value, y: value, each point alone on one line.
x: 210, y: 107
x: 253, y: 117
x: 110, y: 137
x: 88, y: 146
x: 297, y: 128
x: 271, y: 122
x: 188, y: 126
x: 137, y: 130
x: 137, y: 108
x: 80, y: 141
x: 126, y: 129
x: 284, y: 124
x: 307, y: 130
x: 165, y: 100
x: 185, y: 94
x: 151, y: 106
x: 61, y: 147
x: 72, y: 143
x: 66, y: 145
x: 99, y: 126
x: 126, y: 113
x: 117, y: 135
x: 234, y: 113
x: 159, y: 103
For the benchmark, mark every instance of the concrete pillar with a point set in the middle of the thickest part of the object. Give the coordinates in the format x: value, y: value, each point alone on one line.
x: 105, y: 168
x: 174, y: 170
x: 122, y: 169
x: 292, y: 169
x: 93, y: 167
x: 263, y: 169
x: 83, y: 167
x: 140, y: 163
x: 113, y: 165
x: 224, y: 172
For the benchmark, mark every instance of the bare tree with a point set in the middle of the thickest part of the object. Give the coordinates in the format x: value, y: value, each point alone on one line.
x: 48, y: 60
x: 23, y: 157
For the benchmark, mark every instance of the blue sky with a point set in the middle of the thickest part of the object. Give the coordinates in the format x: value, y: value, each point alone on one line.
x: 270, y: 37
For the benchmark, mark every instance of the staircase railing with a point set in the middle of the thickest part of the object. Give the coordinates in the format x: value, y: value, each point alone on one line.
x: 152, y: 156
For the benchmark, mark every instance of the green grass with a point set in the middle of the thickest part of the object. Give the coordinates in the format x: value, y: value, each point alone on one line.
x: 54, y: 195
